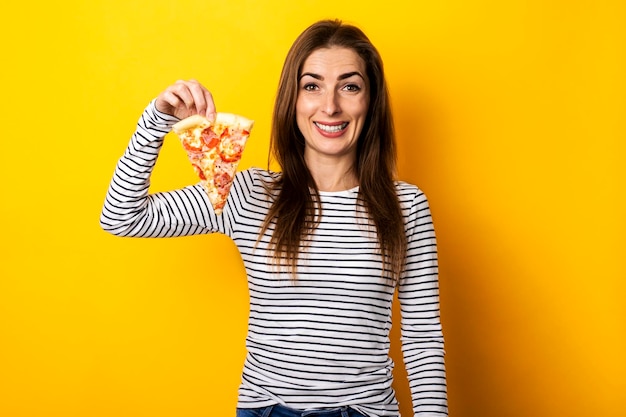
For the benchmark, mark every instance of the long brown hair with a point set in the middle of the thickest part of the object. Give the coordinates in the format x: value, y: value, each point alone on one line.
x: 295, y: 211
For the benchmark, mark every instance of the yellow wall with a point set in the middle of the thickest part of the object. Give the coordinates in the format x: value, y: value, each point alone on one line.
x: 510, y: 116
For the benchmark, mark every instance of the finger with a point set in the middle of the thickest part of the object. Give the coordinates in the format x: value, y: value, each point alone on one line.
x: 181, y: 91
x: 170, y: 101
x: 211, y: 111
x: 163, y: 103
x: 198, y: 95
x: 203, y: 99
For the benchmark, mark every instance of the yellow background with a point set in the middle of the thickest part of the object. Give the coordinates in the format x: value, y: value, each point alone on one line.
x: 510, y: 116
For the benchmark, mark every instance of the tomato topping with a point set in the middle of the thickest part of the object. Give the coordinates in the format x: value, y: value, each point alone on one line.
x: 190, y: 147
x: 209, y: 137
x: 233, y: 156
x: 199, y: 172
x: 231, y: 151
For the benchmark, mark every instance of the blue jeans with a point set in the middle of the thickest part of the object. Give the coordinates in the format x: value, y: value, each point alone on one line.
x: 282, y: 411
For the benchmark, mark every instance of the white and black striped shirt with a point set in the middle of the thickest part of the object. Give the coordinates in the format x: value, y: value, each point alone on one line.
x: 321, y: 340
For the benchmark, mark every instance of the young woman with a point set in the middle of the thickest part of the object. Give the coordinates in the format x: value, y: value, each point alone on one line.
x: 325, y: 242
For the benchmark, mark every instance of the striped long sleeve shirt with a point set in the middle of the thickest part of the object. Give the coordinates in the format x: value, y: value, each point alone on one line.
x: 321, y: 340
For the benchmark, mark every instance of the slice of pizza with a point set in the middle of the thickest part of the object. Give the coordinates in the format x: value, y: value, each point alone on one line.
x: 214, y: 150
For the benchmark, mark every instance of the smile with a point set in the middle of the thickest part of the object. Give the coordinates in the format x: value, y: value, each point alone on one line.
x: 331, y: 128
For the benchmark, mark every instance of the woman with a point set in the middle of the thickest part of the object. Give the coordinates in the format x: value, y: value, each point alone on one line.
x: 325, y: 242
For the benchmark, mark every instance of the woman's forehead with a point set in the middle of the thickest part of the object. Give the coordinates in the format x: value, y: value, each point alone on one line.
x: 338, y: 60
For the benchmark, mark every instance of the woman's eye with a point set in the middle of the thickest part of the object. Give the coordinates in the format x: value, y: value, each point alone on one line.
x: 309, y: 87
x: 352, y: 87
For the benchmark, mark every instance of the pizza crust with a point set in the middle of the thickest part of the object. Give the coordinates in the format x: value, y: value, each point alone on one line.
x: 191, y: 122
x: 234, y: 120
x: 226, y: 119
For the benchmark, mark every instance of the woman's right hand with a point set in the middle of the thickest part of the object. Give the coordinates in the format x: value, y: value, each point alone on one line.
x: 186, y: 98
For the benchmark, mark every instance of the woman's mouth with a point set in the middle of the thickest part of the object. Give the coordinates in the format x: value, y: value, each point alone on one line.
x: 331, y: 129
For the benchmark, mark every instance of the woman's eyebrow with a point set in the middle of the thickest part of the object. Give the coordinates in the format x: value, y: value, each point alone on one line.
x: 349, y: 74
x: 310, y: 74
x: 341, y: 77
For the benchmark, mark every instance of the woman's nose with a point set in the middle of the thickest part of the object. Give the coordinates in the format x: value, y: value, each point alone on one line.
x: 331, y: 103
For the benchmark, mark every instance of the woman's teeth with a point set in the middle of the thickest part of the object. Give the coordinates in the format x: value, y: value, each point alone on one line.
x: 331, y: 129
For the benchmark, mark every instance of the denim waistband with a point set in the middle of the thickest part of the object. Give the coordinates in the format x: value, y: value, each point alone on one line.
x: 278, y: 410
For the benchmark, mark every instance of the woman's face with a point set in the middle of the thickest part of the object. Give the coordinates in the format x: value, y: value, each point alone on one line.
x: 332, y: 104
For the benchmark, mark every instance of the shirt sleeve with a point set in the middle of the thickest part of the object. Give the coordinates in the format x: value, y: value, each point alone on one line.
x: 421, y: 332
x: 130, y: 210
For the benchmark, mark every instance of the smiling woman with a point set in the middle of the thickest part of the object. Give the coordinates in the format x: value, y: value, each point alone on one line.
x: 374, y: 164
x: 325, y: 243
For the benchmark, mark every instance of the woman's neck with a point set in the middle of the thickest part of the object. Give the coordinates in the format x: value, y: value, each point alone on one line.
x: 333, y: 175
